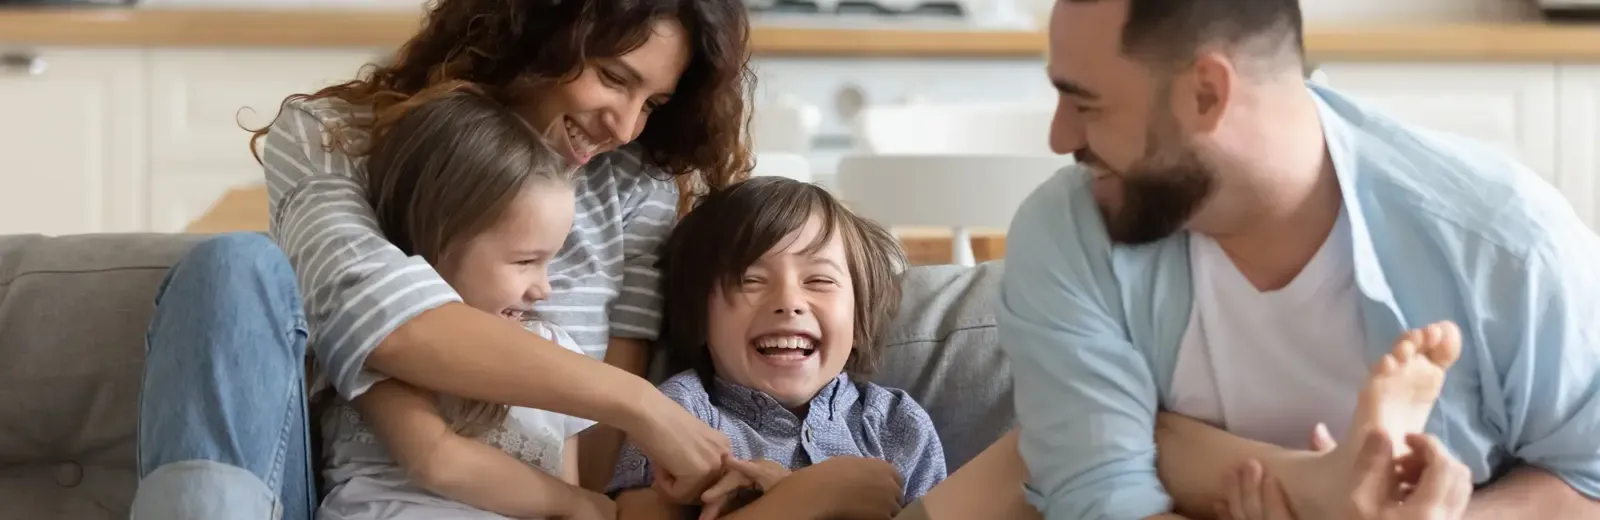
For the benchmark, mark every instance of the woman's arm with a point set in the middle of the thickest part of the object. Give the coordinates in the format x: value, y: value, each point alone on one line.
x: 602, y: 443
x: 375, y: 313
x: 466, y: 470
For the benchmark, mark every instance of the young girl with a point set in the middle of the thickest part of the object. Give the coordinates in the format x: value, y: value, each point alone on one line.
x: 776, y: 294
x: 463, y: 182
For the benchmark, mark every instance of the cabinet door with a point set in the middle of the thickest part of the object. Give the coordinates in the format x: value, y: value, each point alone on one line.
x: 1579, y: 159
x: 203, y: 104
x: 1511, y: 107
x: 71, y: 151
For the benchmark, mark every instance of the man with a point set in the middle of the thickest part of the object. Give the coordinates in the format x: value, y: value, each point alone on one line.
x: 1238, y: 246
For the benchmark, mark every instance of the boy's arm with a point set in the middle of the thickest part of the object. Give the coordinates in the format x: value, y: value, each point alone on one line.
x: 407, y: 420
x: 1086, y: 400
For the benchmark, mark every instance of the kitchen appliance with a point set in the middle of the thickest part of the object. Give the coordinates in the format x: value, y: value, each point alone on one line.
x: 1576, y: 10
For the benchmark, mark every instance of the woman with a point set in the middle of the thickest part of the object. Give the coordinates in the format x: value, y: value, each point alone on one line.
x: 223, y: 423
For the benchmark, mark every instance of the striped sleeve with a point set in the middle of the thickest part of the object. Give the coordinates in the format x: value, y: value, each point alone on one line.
x: 357, y: 287
x: 646, y: 221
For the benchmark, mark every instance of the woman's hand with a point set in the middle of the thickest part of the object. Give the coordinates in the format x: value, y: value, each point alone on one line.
x: 1374, y: 490
x: 686, y: 452
x: 761, y: 474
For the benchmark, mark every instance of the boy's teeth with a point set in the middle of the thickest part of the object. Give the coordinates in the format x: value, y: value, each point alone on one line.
x: 795, y: 342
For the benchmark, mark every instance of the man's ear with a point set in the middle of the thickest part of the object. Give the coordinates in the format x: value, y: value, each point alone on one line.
x: 1203, y: 93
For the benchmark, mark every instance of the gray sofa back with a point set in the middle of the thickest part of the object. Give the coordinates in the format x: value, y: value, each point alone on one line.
x: 74, y: 310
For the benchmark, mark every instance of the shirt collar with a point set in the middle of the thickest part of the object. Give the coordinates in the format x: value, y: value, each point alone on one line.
x: 755, y: 407
x: 1344, y: 140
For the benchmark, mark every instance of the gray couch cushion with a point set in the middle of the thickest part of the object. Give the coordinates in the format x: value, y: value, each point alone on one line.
x: 943, y: 349
x: 73, y: 314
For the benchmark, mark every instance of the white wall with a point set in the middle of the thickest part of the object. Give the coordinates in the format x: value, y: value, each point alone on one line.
x: 1337, y: 11
x: 1347, y: 11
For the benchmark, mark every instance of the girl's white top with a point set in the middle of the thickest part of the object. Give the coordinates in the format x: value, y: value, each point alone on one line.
x: 364, y: 481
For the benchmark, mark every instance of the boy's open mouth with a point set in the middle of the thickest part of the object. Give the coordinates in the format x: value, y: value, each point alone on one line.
x: 786, y: 346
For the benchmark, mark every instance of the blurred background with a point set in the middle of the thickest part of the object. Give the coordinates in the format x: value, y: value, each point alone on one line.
x: 930, y: 116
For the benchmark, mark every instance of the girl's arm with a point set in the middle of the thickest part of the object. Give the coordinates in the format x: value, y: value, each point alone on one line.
x: 375, y: 312
x: 407, y: 421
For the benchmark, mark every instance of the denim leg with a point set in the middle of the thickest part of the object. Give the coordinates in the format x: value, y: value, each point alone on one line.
x: 222, y: 411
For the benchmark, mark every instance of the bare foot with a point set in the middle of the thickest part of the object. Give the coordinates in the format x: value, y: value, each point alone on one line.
x: 1396, y: 400
x: 1405, y: 384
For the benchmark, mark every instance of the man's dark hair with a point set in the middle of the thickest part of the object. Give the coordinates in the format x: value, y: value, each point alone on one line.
x: 1169, y: 32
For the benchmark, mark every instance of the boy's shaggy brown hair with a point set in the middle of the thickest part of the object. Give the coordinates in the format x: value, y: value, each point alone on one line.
x: 728, y: 230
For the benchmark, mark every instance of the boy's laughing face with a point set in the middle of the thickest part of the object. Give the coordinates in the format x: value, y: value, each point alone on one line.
x: 788, y: 327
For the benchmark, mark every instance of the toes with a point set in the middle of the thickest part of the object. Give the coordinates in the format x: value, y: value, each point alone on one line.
x: 1387, y: 365
x: 1446, y: 347
x: 1405, y: 351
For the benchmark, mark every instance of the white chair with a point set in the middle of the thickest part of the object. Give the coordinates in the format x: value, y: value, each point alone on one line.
x: 961, y: 192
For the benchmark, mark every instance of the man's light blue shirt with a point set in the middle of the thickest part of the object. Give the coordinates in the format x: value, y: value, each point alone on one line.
x: 1443, y: 229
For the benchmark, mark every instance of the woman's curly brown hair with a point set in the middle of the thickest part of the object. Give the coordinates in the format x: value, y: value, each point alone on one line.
x: 513, y: 43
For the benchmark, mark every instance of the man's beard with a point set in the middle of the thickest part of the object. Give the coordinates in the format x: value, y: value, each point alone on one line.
x: 1160, y: 193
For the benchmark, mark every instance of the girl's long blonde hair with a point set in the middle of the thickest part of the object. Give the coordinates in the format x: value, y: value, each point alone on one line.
x: 444, y: 166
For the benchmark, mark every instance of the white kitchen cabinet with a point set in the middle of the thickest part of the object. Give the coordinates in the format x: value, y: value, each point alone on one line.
x: 1578, y: 162
x: 72, y: 155
x: 201, y: 104
x: 1510, y: 106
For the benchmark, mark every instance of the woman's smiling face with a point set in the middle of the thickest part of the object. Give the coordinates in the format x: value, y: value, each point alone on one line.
x: 607, y: 105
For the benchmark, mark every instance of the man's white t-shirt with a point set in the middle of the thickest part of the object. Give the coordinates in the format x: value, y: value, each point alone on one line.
x: 1270, y: 365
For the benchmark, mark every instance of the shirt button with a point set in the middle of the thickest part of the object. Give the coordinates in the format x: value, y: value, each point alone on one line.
x: 805, y: 434
x: 69, y: 474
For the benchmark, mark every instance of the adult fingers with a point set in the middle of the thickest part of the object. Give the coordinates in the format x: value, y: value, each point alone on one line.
x: 1444, y: 480
x: 1374, y: 472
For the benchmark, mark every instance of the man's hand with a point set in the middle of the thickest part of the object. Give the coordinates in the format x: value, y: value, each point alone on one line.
x: 851, y: 487
x: 1430, y: 486
x: 760, y: 474
x: 583, y: 504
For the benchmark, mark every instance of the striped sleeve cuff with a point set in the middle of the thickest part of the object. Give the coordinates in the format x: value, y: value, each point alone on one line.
x: 358, y: 287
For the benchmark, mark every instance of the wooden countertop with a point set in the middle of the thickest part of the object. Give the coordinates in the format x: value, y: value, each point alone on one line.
x: 384, y: 28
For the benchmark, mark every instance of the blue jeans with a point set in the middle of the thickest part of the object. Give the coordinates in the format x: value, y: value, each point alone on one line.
x: 222, y: 412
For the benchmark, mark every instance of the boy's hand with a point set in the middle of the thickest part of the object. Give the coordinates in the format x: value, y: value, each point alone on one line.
x: 851, y: 487
x: 761, y: 474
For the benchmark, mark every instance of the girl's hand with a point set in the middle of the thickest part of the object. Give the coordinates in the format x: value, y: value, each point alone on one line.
x: 583, y: 504
x: 849, y: 487
x: 761, y: 474
x: 1253, y: 495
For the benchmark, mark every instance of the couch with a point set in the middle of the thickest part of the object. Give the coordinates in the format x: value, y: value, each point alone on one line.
x: 73, y: 313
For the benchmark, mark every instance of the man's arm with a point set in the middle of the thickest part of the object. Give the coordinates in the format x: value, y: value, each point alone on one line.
x: 1544, y: 346
x: 1529, y: 492
x: 1085, y: 399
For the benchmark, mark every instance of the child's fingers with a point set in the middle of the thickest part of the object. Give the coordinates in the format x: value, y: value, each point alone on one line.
x: 1273, y: 501
x: 711, y: 510
x: 762, y: 473
x: 730, y: 482
x: 1444, y: 480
